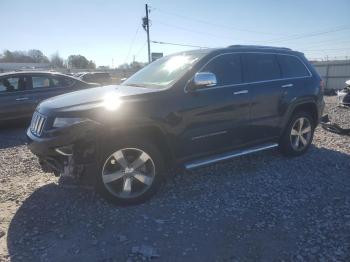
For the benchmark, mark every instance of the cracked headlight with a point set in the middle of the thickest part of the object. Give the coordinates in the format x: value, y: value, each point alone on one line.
x: 66, y: 121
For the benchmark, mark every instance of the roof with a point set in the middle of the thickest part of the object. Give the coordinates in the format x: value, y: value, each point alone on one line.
x: 259, y: 47
x: 255, y: 48
x: 30, y: 72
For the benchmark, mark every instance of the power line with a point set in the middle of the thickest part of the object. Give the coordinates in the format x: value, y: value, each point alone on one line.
x: 292, y: 37
x: 281, y: 39
x: 167, y: 43
x: 330, y: 49
x: 329, y: 41
x: 132, y: 44
x: 312, y: 34
x: 217, y: 25
x: 193, y: 31
x: 142, y: 47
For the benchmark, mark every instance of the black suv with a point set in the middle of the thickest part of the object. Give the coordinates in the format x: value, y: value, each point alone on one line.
x: 191, y: 109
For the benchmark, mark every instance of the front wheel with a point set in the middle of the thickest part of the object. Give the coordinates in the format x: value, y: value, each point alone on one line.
x: 298, y: 136
x: 130, y: 173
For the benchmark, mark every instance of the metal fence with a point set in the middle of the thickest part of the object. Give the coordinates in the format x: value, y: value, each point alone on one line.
x: 334, y: 73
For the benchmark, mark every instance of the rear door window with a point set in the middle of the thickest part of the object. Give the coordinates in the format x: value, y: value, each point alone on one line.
x: 40, y: 82
x: 10, y: 84
x: 227, y: 69
x: 260, y: 67
x: 292, y: 66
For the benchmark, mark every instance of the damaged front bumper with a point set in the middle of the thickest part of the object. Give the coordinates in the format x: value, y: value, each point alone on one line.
x: 344, y: 96
x: 69, y: 151
x: 333, y: 127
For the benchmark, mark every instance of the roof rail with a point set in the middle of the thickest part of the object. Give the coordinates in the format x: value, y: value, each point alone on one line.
x: 258, y: 46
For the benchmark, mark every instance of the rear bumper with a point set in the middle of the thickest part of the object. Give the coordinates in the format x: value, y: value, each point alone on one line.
x: 321, y: 107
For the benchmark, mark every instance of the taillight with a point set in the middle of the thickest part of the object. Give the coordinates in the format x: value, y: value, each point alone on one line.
x: 322, y: 85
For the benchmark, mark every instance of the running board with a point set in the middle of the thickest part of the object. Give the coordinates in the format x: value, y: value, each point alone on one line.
x: 226, y: 156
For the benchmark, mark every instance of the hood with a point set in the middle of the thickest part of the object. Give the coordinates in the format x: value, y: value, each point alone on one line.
x: 89, y: 98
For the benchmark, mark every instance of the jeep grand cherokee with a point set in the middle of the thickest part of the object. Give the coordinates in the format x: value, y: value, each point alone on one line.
x: 190, y: 109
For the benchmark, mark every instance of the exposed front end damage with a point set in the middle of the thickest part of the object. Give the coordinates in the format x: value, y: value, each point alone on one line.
x: 344, y: 96
x: 333, y: 127
x: 69, y: 152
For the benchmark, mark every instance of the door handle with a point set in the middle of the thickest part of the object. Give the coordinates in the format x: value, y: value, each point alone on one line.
x: 22, y: 98
x: 288, y: 85
x: 241, y: 92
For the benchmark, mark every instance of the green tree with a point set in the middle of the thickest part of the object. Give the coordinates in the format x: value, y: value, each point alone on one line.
x: 78, y: 61
x: 91, y: 65
x: 38, y: 56
x: 56, y: 61
x: 7, y: 56
x: 31, y: 56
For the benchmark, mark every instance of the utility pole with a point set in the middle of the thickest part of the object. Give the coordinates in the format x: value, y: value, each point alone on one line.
x: 145, y: 26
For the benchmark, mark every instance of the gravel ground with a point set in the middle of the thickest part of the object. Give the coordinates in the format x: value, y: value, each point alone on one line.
x: 262, y: 207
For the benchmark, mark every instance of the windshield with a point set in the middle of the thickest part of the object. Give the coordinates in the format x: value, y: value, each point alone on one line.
x: 164, y: 72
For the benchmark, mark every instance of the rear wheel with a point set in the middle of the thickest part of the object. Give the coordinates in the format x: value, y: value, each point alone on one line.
x: 298, y: 136
x: 130, y: 173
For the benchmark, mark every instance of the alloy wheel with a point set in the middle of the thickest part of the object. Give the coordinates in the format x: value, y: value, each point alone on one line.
x: 301, y: 134
x: 128, y: 173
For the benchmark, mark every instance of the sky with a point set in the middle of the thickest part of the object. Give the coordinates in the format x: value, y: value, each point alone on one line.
x: 109, y: 32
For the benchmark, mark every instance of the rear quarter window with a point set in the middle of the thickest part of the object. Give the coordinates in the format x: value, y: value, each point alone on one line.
x: 292, y: 66
x: 260, y: 67
x: 62, y: 81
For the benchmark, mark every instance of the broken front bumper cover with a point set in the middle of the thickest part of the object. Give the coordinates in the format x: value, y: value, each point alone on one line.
x: 47, y: 144
x: 333, y: 127
x: 344, y: 96
x: 66, y: 151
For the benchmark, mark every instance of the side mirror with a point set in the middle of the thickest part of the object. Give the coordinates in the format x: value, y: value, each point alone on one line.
x: 203, y: 79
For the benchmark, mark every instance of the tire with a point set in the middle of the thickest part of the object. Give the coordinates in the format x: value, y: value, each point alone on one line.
x: 119, y: 177
x: 288, y: 142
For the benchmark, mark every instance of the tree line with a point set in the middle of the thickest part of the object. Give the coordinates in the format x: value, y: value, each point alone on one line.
x: 36, y: 56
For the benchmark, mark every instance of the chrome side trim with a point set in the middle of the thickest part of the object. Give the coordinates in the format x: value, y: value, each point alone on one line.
x: 22, y: 98
x: 241, y: 92
x: 217, y: 158
x: 209, y: 135
x: 248, y: 83
x: 267, y: 81
x: 61, y: 152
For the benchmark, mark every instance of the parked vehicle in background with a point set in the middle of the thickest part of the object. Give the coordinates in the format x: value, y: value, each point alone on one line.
x: 344, y: 94
x: 190, y: 109
x: 101, y: 78
x: 21, y: 92
x: 78, y: 74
